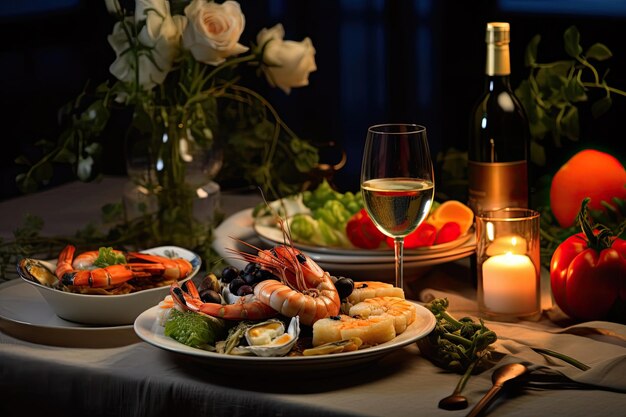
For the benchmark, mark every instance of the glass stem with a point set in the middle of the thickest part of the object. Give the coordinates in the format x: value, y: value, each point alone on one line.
x: 398, y: 247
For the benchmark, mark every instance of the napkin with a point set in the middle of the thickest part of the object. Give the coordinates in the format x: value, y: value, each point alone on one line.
x: 600, y: 345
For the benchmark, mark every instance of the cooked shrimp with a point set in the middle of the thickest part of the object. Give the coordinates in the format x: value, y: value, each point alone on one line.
x: 167, y: 268
x: 152, y: 266
x: 247, y: 308
x: 304, y: 289
x: 97, y: 278
x: 85, y: 260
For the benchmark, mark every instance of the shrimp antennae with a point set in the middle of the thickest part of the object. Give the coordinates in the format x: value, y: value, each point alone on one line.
x: 282, y: 223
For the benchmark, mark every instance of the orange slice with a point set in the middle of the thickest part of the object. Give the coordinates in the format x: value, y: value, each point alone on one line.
x: 452, y: 211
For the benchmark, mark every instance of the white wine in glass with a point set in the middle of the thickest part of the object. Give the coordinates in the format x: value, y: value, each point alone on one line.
x: 397, y: 182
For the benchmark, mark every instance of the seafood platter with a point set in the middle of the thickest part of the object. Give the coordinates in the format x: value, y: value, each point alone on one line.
x: 283, y: 308
x: 80, y: 291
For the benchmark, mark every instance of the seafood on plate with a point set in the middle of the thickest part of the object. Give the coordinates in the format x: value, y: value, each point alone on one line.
x: 259, y: 315
x: 283, y: 285
x: 374, y: 320
x: 134, y: 271
x: 270, y: 338
x: 293, y: 285
x: 245, y: 308
x: 403, y: 312
x: 369, y: 289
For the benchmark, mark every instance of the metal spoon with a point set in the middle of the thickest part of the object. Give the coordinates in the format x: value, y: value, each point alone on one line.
x: 454, y: 401
x: 499, y: 377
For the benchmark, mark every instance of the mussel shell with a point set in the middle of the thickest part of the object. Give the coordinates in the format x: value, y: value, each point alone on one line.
x: 273, y: 348
x: 38, y: 271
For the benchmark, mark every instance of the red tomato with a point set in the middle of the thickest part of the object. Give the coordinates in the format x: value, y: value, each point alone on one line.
x: 588, y: 274
x: 449, y: 231
x: 362, y: 232
x: 424, y: 235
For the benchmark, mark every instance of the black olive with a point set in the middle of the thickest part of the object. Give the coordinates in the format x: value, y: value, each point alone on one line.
x: 235, y: 284
x: 249, y: 277
x: 263, y: 274
x: 210, y: 296
x: 344, y: 286
x: 251, y: 267
x: 244, y: 290
x: 229, y: 273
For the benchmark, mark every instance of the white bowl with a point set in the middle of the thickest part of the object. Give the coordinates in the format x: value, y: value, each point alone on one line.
x: 112, y: 310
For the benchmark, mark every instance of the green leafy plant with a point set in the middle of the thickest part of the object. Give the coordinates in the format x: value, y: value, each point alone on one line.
x: 553, y: 92
x: 174, y: 71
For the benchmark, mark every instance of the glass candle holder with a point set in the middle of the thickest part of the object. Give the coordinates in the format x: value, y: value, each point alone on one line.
x: 508, y: 262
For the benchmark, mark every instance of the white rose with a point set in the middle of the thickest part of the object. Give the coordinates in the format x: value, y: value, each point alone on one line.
x: 161, y: 35
x: 214, y: 29
x: 287, y: 64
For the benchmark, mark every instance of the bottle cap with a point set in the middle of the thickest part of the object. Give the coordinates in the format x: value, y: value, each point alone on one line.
x: 498, y: 32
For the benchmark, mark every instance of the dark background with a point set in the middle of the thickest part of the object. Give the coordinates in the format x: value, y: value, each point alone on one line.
x: 379, y: 61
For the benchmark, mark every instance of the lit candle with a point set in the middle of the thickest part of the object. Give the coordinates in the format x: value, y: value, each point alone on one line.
x: 504, y: 244
x: 510, y: 284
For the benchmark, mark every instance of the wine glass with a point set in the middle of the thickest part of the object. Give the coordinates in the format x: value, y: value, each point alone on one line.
x: 397, y: 182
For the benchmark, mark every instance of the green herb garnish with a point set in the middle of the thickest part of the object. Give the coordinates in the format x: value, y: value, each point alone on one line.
x: 108, y: 256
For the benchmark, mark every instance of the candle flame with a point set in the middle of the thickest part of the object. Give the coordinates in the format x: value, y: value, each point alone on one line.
x: 490, y: 231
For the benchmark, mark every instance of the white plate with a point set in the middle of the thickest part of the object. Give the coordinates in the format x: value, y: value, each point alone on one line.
x: 466, y: 248
x: 150, y: 331
x: 272, y: 235
x: 25, y: 314
x: 239, y: 226
x: 112, y: 309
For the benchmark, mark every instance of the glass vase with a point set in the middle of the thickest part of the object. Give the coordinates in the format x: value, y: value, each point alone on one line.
x: 171, y: 191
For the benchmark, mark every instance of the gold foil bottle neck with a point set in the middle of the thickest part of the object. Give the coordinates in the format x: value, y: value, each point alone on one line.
x: 498, y: 32
x: 497, y: 39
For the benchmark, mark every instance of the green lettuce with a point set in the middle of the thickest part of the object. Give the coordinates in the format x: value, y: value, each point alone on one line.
x: 193, y: 329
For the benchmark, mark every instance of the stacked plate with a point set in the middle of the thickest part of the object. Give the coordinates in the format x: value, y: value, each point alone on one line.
x: 358, y: 264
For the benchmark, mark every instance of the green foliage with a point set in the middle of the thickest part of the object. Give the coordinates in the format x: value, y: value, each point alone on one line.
x: 260, y: 148
x: 552, y: 235
x: 554, y: 91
